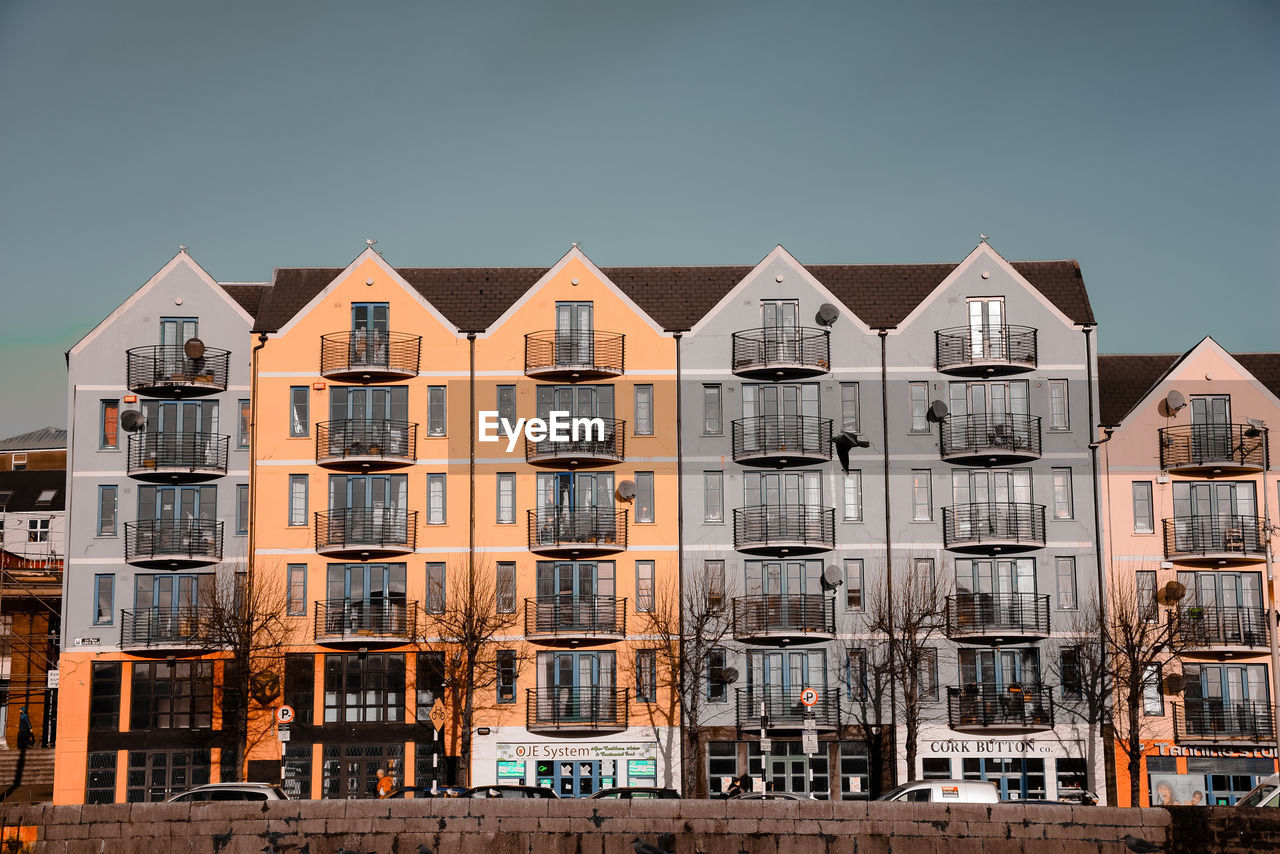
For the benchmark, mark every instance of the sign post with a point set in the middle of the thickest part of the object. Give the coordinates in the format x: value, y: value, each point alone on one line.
x: 437, y: 732
x: 809, y: 697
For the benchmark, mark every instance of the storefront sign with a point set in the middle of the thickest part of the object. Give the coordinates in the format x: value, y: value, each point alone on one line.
x: 623, y: 750
x: 980, y: 747
x: 1167, y: 749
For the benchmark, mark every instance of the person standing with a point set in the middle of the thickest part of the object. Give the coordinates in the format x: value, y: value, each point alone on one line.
x: 384, y: 784
x: 26, y: 737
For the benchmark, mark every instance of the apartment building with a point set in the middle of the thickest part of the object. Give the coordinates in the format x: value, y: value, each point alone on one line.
x: 1188, y: 489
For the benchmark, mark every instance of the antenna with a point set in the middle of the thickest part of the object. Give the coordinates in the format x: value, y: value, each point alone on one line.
x: 627, y: 490
x: 938, y: 410
x: 827, y: 314
x: 131, y: 420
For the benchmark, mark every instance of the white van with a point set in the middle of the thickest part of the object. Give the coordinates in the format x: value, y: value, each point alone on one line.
x: 945, y: 791
x: 1265, y: 794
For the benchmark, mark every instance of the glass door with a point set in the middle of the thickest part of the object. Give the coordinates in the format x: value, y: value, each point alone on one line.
x: 370, y: 323
x: 781, y: 322
x: 575, y: 333
x: 986, y: 328
x: 1211, y: 427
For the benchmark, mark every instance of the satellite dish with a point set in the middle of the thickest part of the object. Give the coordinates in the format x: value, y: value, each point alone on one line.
x: 1175, y: 590
x: 131, y: 420
x: 938, y: 410
x: 1174, y: 683
x: 194, y: 348
x: 1175, y: 400
x: 627, y: 490
x: 729, y: 675
x: 827, y: 314
x: 832, y: 577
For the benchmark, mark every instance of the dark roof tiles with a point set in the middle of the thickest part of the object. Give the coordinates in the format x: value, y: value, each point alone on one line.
x: 1125, y: 379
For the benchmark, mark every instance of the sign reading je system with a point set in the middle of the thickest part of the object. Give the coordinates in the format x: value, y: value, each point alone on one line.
x: 619, y: 750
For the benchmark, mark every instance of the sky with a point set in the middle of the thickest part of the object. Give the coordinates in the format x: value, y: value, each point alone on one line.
x: 1140, y: 138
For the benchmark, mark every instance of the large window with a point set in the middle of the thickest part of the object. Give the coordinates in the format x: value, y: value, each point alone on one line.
x: 644, y: 496
x: 713, y: 496
x: 107, y: 500
x: 644, y: 410
x: 364, y: 688
x: 1144, y: 521
x: 172, y: 695
x: 299, y: 411
x: 104, y: 696
x: 109, y: 429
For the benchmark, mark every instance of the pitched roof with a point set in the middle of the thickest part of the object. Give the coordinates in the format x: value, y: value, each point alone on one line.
x: 46, y: 438
x: 247, y: 295
x: 1125, y: 379
x: 20, y: 491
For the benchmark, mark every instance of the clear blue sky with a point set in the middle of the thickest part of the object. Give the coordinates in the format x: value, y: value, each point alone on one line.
x: 1138, y: 137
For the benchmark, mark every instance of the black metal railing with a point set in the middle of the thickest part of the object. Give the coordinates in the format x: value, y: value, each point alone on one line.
x: 367, y: 350
x: 590, y: 350
x: 152, y: 452
x: 387, y: 440
x: 361, y: 619
x: 1236, y: 445
x: 571, y: 614
x: 990, y: 433
x: 1223, y: 720
x: 366, y: 527
x: 167, y: 366
x: 967, y: 346
x: 1015, y: 705
x: 985, y: 614
x: 576, y: 707
x: 996, y: 523
x: 167, y: 627
x: 781, y: 347
x: 784, y: 525
x: 582, y: 527
x: 784, y: 707
x: 778, y: 614
x: 173, y: 539
x: 804, y: 436
x: 591, y: 443
x: 1200, y: 536
x: 1213, y: 625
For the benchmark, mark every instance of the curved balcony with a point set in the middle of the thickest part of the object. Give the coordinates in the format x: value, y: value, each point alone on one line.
x: 369, y: 356
x: 784, y: 618
x: 578, y: 355
x: 993, y: 528
x: 1013, y: 707
x: 167, y: 630
x: 363, y: 533
x: 781, y: 440
x: 997, y: 618
x: 575, y: 618
x: 1209, y: 450
x: 985, y: 350
x: 1214, y: 540
x: 172, y: 543
x: 366, y: 445
x: 989, y: 439
x: 783, y: 709
x: 578, y: 531
x: 784, y: 529
x: 1217, y: 630
x: 177, y: 457
x: 774, y: 353
x: 165, y: 370
x: 1217, y: 721
x: 584, y: 709
x: 365, y: 621
x: 593, y: 446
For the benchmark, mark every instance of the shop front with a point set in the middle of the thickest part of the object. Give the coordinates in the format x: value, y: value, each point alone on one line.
x: 1204, y: 776
x: 573, y: 769
x: 1046, y: 766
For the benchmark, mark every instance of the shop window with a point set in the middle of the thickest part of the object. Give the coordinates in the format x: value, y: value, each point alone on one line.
x: 100, y: 787
x: 722, y: 765
x: 935, y: 768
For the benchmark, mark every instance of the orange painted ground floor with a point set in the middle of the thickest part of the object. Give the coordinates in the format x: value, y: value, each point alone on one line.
x: 1175, y: 774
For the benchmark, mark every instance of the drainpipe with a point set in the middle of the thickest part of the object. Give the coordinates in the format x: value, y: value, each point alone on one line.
x: 888, y: 549
x: 243, y: 744
x: 680, y: 545
x: 471, y: 466
x: 1272, y: 626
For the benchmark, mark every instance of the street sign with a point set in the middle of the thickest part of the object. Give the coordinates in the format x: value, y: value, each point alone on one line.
x: 438, y: 714
x: 284, y: 715
x: 282, y: 732
x: 810, y: 725
x: 51, y: 678
x: 810, y: 742
x: 766, y: 745
x: 809, y: 696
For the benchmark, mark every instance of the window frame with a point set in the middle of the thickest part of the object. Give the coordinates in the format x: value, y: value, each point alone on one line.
x: 646, y: 666
x: 915, y: 502
x: 714, y: 569
x: 244, y: 429
x: 109, y: 431
x: 919, y: 419
x: 1059, y: 562
x: 434, y: 478
x: 505, y: 586
x: 99, y: 579
x: 853, y: 478
x: 851, y: 563
x: 509, y: 478
x: 717, y: 687
x: 114, y: 489
x: 1065, y: 425
x: 643, y: 410
x: 295, y: 606
x: 1149, y: 518
x: 293, y: 517
x: 1070, y: 494
x: 435, y: 588
x: 506, y: 409
x: 1151, y: 693
x: 645, y: 603
x: 712, y: 479
x: 242, y: 508
x: 507, y: 676
x: 712, y: 409
x: 645, y: 484
x: 437, y: 422
x: 850, y: 397
x: 299, y: 412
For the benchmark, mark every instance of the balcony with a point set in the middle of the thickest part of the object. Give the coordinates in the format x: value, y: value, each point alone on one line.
x: 364, y: 533
x: 781, y: 440
x: 997, y: 618
x: 575, y: 619
x: 168, y: 630
x: 365, y: 621
x: 172, y: 543
x: 1210, y: 450
x: 783, y: 709
x: 985, y: 350
x: 576, y: 709
x: 579, y: 355
x: 986, y: 707
x: 369, y: 356
x: 989, y: 439
x: 177, y: 457
x: 577, y: 531
x: 775, y: 618
x: 590, y: 449
x: 1217, y: 721
x: 993, y: 528
x: 366, y: 445
x: 784, y: 529
x: 1211, y: 629
x: 1214, y: 540
x: 775, y: 353
x: 165, y: 370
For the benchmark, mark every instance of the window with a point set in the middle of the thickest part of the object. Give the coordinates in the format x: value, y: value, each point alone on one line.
x: 849, y: 408
x: 506, y: 676
x: 923, y: 567
x: 300, y: 686
x: 431, y: 680
x: 713, y: 496
x: 1062, y: 494
x: 1144, y: 521
x: 100, y: 783
x: 921, y: 495
x: 644, y: 410
x: 109, y: 434
x: 507, y: 403
x: 1067, y: 600
x: 855, y: 673
x: 297, y: 499
x: 364, y: 688
x: 853, y: 496
x: 929, y: 674
x: 1069, y: 671
x: 712, y: 423
x: 299, y: 411
x: 1152, y: 699
x: 242, y: 508
x: 172, y: 695
x: 1146, y: 586
x: 934, y: 768
x: 19, y: 461
x: 104, y: 589
x: 435, y: 410
x: 715, y: 584
x: 435, y: 589
x: 242, y: 436
x: 644, y: 587
x: 644, y: 496
x: 919, y: 407
x: 296, y: 605
x: 435, y: 499
x: 717, y: 687
x: 104, y: 696
x: 646, y: 676
x: 37, y: 530
x: 1058, y: 418
x: 506, y: 499
x: 107, y: 501
x: 506, y: 587
x: 853, y: 584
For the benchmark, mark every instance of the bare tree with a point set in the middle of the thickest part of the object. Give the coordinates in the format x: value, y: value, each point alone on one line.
x: 868, y: 672
x: 1087, y: 684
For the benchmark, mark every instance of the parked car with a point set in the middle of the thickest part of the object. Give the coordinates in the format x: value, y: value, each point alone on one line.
x: 230, y: 792
x: 636, y: 793
x: 1265, y: 794
x: 509, y: 790
x: 945, y: 791
x: 768, y: 796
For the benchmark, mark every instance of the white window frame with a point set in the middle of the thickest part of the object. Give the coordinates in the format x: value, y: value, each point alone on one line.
x: 506, y: 487
x: 643, y: 409
x: 437, y: 504
x: 1059, y: 421
x: 713, y: 484
x: 1063, y: 499
x: 917, y: 507
x: 298, y: 499
x: 853, y: 496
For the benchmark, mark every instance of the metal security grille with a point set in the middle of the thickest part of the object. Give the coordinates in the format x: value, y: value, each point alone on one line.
x: 351, y: 770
